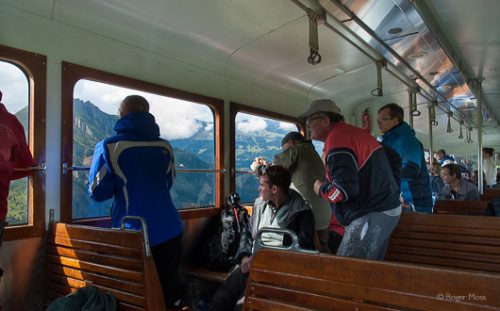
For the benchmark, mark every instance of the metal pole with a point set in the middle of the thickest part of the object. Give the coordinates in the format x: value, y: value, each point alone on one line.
x: 479, y: 112
x: 410, y: 107
x: 431, y: 139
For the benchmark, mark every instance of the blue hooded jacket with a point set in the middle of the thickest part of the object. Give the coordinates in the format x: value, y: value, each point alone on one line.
x: 137, y: 167
x: 415, y: 182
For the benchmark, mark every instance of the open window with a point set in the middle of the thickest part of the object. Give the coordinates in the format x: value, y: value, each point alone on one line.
x: 191, y: 124
x: 257, y: 133
x: 23, y: 84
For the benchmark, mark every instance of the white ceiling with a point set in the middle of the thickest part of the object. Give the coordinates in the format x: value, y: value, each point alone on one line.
x: 260, y: 48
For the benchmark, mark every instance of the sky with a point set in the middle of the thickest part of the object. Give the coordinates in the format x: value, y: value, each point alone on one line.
x: 14, y: 87
x: 178, y: 119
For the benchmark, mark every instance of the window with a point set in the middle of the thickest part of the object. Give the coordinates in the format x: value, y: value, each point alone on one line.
x: 22, y: 82
x: 256, y: 134
x: 187, y: 121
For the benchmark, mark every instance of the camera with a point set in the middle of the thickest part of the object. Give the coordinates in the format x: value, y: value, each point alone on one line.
x: 233, y: 199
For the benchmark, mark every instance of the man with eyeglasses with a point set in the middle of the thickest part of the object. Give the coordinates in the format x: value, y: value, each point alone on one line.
x: 456, y: 188
x: 359, y: 182
x: 415, y: 180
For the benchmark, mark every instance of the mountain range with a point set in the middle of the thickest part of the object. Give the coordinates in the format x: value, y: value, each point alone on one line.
x: 90, y: 125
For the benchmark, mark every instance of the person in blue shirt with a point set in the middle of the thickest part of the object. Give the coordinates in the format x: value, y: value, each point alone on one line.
x: 136, y: 167
x: 398, y: 135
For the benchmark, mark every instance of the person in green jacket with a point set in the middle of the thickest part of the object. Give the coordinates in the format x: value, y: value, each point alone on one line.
x: 306, y: 166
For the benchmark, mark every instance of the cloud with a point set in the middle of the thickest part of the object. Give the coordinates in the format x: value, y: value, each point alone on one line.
x: 14, y: 86
x: 177, y: 119
x: 287, y: 126
x: 247, y: 123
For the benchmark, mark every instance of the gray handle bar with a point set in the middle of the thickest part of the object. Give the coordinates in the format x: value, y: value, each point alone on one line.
x: 143, y: 231
x: 295, y: 247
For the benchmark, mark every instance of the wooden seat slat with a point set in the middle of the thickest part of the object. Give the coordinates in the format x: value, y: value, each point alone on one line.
x: 330, y: 300
x: 468, y: 256
x: 279, y: 279
x: 113, y: 249
x: 75, y: 284
x: 449, y: 221
x: 119, y: 261
x: 460, y: 207
x: 444, y: 245
x: 462, y: 242
x: 97, y: 234
x: 449, y: 238
x: 444, y: 262
x: 132, y: 287
x: 90, y: 266
x: 113, y: 261
x: 205, y: 274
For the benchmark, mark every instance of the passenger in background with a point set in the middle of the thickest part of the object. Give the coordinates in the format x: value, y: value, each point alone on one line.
x: 435, y: 178
x: 14, y: 154
x: 456, y: 188
x: 397, y: 134
x: 137, y: 167
x: 277, y: 207
x: 305, y: 166
x: 359, y: 183
x: 443, y: 158
x: 489, y: 168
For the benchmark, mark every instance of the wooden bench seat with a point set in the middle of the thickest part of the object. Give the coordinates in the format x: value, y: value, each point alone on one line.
x: 447, y: 240
x: 207, y: 275
x: 456, y: 207
x: 281, y: 280
x: 112, y: 260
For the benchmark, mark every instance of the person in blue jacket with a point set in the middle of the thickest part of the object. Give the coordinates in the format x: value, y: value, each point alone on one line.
x: 136, y: 167
x: 398, y: 135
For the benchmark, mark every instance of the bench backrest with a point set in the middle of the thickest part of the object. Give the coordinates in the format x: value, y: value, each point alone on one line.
x: 112, y: 260
x: 447, y: 240
x: 281, y: 280
x: 457, y: 207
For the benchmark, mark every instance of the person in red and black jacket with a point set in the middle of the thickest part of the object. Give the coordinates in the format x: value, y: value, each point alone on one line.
x: 359, y: 182
x: 14, y: 154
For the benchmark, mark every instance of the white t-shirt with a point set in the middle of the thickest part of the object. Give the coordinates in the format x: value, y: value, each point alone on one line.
x: 268, y: 220
x: 490, y: 171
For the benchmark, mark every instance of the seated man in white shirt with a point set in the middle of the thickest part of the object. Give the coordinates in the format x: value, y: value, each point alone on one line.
x: 277, y: 207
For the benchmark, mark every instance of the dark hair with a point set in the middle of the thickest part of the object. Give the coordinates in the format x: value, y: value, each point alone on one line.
x: 136, y: 103
x: 278, y: 175
x: 294, y: 136
x: 454, y: 169
x: 395, y: 111
x: 489, y: 151
x: 441, y: 151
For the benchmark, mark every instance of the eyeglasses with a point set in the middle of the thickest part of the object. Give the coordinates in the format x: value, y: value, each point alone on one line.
x: 384, y: 119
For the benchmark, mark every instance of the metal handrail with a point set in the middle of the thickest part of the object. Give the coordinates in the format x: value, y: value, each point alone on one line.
x: 41, y: 167
x: 295, y: 246
x: 67, y: 168
x: 143, y: 231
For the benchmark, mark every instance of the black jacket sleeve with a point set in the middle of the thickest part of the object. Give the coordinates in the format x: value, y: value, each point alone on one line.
x: 303, y: 226
x: 396, y: 164
x: 343, y: 169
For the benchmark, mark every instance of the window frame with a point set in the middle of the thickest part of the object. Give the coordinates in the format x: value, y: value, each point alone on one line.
x: 234, y: 108
x: 35, y: 67
x: 72, y: 73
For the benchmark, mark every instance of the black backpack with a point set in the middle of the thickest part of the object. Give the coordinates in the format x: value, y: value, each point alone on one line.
x: 223, y: 244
